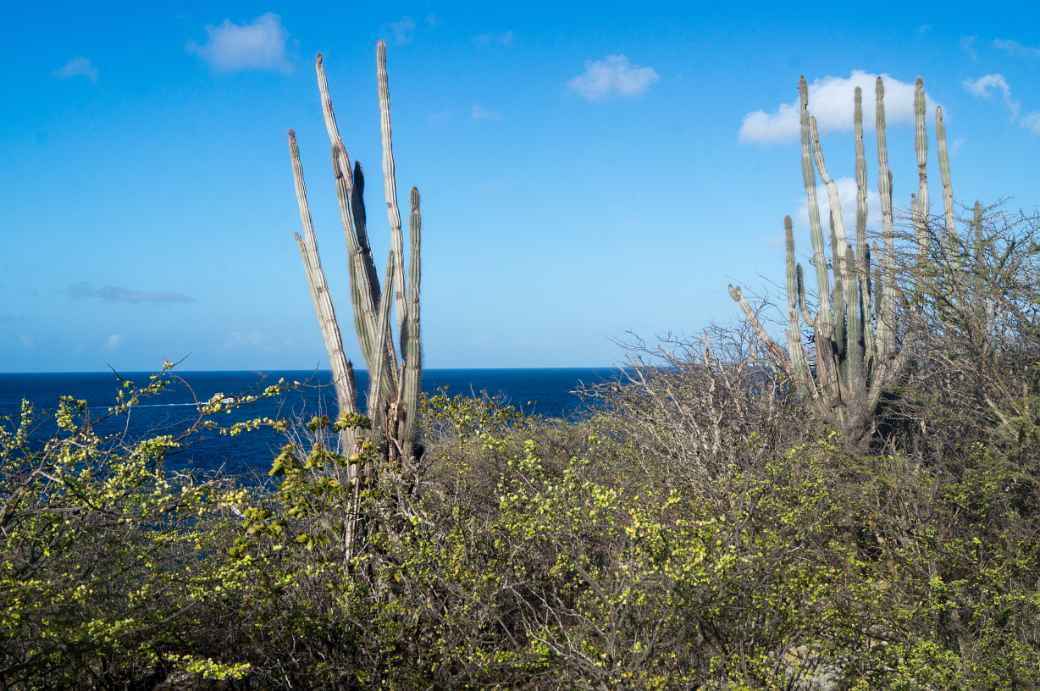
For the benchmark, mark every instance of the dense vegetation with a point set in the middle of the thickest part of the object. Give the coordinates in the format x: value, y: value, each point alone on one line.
x: 701, y: 528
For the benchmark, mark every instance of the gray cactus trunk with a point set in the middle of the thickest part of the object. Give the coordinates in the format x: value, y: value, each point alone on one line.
x: 392, y: 402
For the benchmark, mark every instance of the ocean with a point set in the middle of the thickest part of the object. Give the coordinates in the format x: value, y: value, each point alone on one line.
x: 545, y: 392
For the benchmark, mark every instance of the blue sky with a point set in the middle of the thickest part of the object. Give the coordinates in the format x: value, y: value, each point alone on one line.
x: 586, y: 171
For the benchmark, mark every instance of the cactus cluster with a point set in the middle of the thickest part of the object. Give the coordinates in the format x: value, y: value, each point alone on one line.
x: 394, y: 384
x: 858, y: 348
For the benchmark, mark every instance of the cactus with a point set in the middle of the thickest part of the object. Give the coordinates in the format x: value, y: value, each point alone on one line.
x: 860, y: 349
x: 392, y: 401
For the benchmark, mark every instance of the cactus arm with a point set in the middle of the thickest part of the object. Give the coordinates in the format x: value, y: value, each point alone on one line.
x: 412, y: 334
x: 329, y: 115
x: 878, y: 290
x: 862, y: 254
x: 921, y: 148
x: 838, y: 298
x: 799, y: 365
x: 357, y: 206
x: 342, y: 370
x: 390, y: 186
x: 944, y: 173
x: 815, y: 227
x: 378, y: 401
x: 856, y: 370
x: 802, y: 302
x: 363, y: 294
x: 886, y: 321
x: 833, y: 200
x: 861, y: 178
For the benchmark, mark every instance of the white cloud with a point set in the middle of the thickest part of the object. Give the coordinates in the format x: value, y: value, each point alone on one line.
x: 402, y: 30
x: 113, y: 341
x: 232, y: 47
x: 504, y: 39
x: 479, y: 112
x: 986, y: 85
x: 847, y: 197
x: 77, y: 67
x: 1016, y: 49
x: 831, y: 101
x: 614, y: 75
x: 1031, y: 122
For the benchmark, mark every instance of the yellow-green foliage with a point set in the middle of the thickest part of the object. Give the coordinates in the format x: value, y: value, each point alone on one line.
x: 531, y: 554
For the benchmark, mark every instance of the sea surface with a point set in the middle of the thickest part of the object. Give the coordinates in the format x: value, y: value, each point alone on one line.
x: 545, y: 392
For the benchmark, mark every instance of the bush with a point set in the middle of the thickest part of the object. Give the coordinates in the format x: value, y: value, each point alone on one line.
x: 697, y: 529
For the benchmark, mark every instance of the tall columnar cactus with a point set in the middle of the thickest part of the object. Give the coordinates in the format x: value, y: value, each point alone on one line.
x: 858, y: 348
x: 392, y: 401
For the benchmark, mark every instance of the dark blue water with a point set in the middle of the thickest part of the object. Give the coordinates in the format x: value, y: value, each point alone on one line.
x: 546, y: 392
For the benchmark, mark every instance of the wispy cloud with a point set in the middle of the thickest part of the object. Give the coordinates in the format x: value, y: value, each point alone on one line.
x: 614, y: 75
x: 479, y: 112
x: 1016, y: 49
x: 113, y: 341
x: 402, y: 31
x: 77, y: 67
x: 988, y: 84
x: 831, y: 101
x: 1031, y: 122
x: 504, y: 39
x: 85, y: 291
x: 259, y: 45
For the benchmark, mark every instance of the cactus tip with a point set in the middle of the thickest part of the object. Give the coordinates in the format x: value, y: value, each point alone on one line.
x: 415, y: 197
